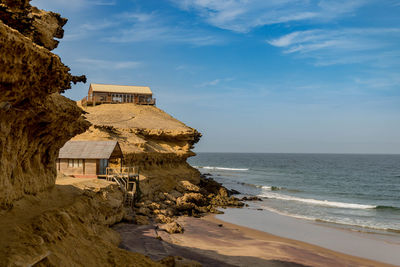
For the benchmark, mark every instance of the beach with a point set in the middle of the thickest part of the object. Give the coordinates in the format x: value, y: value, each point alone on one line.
x: 214, y: 242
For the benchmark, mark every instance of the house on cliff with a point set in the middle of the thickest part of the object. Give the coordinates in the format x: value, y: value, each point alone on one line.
x: 112, y: 93
x: 88, y: 158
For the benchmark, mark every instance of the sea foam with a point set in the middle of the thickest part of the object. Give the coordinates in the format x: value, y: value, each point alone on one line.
x: 220, y: 168
x: 316, y: 201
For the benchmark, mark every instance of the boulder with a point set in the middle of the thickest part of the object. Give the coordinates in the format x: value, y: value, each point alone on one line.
x: 141, y: 220
x: 161, y: 218
x: 251, y: 198
x: 172, y: 228
x: 143, y: 211
x: 188, y: 186
x: 177, y: 261
x: 196, y: 198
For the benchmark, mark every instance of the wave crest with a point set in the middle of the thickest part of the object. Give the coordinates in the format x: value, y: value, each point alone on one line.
x: 317, y: 202
x: 221, y: 168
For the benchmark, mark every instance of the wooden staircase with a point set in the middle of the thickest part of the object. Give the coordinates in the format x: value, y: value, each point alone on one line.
x: 128, y: 180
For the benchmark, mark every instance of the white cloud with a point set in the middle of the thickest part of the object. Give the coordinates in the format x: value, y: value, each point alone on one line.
x: 243, y: 16
x: 343, y: 46
x: 108, y: 64
x: 143, y: 27
x: 215, y: 82
x: 59, y: 5
x: 134, y: 27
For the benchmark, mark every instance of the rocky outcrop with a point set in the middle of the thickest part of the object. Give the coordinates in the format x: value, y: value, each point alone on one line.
x: 185, y: 199
x: 38, y: 25
x: 150, y: 139
x: 35, y: 120
x: 159, y: 145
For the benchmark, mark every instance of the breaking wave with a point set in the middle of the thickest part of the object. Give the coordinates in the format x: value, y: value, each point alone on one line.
x: 221, y: 168
x: 327, y: 203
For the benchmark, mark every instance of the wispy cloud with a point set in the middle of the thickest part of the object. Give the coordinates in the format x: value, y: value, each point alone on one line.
x: 243, y: 16
x: 143, y: 27
x: 215, y: 82
x: 108, y: 64
x: 103, y: 3
x: 135, y: 27
x: 351, y: 45
x: 71, y: 4
x: 380, y: 81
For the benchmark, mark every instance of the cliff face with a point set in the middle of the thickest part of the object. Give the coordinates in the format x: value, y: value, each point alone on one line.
x: 150, y: 139
x: 159, y: 145
x: 41, y: 223
x: 35, y: 120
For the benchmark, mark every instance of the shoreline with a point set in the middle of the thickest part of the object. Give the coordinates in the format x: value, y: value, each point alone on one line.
x: 215, y: 242
x: 300, y: 245
x: 362, y: 245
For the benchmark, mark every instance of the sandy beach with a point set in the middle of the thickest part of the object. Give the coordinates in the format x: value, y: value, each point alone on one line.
x: 213, y: 242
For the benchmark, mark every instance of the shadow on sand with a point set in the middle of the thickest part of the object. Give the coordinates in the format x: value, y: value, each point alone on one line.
x: 143, y: 239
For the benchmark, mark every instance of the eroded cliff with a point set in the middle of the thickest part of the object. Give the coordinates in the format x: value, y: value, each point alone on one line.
x: 150, y: 139
x: 41, y: 223
x: 35, y: 119
x: 159, y: 145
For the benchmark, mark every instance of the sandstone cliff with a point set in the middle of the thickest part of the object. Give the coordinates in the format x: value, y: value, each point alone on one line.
x: 159, y: 145
x: 150, y: 139
x: 35, y: 119
x: 43, y: 224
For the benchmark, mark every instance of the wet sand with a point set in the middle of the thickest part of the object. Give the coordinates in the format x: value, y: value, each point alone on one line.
x: 373, y: 246
x: 213, y: 242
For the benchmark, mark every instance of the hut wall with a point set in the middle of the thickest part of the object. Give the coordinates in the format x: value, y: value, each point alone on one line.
x: 65, y: 169
x: 90, y: 166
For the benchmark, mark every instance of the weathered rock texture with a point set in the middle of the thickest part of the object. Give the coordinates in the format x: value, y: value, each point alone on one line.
x: 159, y: 145
x: 150, y: 139
x: 42, y: 224
x: 67, y: 226
x: 35, y: 120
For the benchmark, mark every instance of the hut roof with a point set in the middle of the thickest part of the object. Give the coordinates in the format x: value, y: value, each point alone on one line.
x: 90, y: 150
x: 125, y: 89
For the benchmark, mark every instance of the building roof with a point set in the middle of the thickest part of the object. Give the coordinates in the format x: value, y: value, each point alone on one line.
x: 125, y: 89
x: 90, y: 150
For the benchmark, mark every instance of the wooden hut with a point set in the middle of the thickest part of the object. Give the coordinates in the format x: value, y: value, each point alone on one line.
x: 111, y: 93
x: 88, y: 158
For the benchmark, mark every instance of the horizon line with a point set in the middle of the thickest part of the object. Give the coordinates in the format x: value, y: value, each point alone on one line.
x: 323, y: 153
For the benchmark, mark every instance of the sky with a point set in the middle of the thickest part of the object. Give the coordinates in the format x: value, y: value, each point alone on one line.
x: 279, y: 76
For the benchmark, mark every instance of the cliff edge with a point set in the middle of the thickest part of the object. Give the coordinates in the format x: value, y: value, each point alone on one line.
x: 159, y: 145
x: 35, y: 119
x: 150, y: 139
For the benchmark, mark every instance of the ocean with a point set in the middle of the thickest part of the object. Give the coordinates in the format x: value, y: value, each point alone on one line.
x: 360, y: 192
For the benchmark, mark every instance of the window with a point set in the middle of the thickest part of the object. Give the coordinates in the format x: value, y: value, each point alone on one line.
x: 75, y: 163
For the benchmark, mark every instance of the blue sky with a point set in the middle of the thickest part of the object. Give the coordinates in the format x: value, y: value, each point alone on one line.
x: 252, y: 76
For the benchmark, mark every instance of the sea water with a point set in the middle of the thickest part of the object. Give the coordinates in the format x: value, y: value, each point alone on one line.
x: 354, y: 191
